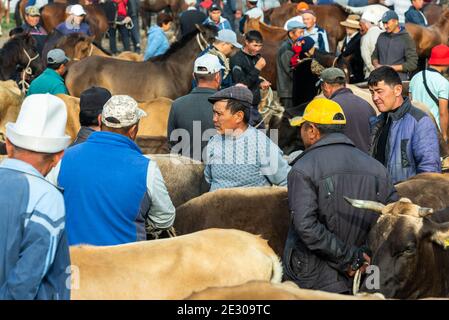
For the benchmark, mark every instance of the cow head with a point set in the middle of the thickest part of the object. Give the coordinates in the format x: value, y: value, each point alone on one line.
x: 408, y: 249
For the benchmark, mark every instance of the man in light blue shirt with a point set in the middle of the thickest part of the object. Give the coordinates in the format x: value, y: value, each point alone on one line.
x: 436, y: 94
x: 215, y: 18
x: 34, y: 254
x: 240, y: 155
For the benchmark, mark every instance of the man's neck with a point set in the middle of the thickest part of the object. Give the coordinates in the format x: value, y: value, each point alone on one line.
x: 311, y: 28
x: 238, y: 131
x: 396, y: 30
x: 399, y: 102
x: 440, y: 69
x: 33, y: 161
x: 207, y: 85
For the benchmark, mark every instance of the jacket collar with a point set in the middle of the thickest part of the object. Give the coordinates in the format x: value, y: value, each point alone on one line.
x: 111, y: 138
x: 330, y: 139
x: 203, y: 90
x: 340, y: 91
x: 19, y: 165
x: 401, y: 111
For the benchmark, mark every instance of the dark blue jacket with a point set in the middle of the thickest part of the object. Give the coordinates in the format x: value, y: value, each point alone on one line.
x: 414, y: 16
x: 412, y: 142
x: 106, y: 203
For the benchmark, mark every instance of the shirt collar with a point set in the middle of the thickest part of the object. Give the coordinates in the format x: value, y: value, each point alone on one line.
x: 19, y: 165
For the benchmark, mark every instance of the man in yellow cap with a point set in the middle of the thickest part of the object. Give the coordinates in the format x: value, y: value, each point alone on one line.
x: 326, y: 241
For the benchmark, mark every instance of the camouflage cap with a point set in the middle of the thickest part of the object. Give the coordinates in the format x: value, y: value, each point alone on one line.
x: 32, y: 11
x: 121, y: 111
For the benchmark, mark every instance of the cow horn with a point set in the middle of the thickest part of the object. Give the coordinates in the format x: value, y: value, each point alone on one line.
x: 424, y: 212
x: 366, y: 204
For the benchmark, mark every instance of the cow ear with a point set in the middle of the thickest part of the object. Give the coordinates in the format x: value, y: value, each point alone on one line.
x: 439, y: 233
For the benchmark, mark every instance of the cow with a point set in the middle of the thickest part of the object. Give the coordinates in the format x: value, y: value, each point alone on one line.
x: 184, y: 177
x: 426, y: 189
x: 259, y: 210
x: 264, y: 290
x: 409, y: 250
x: 172, y: 268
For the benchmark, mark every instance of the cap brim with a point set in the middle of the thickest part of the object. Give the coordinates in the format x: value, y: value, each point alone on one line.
x: 297, y: 121
x: 237, y: 45
x: 348, y: 25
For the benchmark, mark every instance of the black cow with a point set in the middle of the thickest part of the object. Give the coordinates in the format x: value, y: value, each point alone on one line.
x: 409, y: 248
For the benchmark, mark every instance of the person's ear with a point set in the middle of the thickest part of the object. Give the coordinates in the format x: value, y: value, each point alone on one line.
x: 397, y: 89
x: 132, y: 133
x: 99, y: 120
x: 9, y: 148
x: 56, y: 158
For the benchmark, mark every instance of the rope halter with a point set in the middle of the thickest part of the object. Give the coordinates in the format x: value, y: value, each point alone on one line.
x: 27, y: 71
x: 202, y: 43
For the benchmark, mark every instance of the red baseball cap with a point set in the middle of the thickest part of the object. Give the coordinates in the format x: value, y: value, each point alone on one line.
x: 439, y: 55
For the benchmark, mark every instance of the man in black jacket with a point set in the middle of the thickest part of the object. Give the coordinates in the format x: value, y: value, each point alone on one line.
x: 327, y: 237
x: 351, y: 48
x: 246, y: 66
x: 357, y: 111
x: 190, y: 17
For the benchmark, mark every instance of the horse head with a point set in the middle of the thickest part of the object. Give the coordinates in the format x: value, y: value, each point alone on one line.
x: 76, y: 45
x: 21, y: 51
x: 207, y: 32
x: 442, y: 24
x: 344, y: 63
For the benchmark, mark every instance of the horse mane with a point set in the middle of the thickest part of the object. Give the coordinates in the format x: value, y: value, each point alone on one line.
x: 72, y: 39
x: 175, y: 47
x: 443, y: 20
x: 11, y: 50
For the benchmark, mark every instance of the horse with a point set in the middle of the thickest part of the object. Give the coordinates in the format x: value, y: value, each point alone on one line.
x: 19, y: 12
x: 20, y: 51
x: 432, y: 12
x: 173, y: 70
x: 271, y: 33
x: 78, y: 46
x: 147, y: 7
x: 329, y: 17
x: 53, y: 14
x: 427, y: 37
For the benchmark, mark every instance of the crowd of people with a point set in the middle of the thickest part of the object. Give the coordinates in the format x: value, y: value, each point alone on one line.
x: 113, y: 194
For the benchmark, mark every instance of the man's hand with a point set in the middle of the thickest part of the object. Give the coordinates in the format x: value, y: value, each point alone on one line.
x: 127, y: 20
x: 365, y: 265
x: 264, y: 85
x: 260, y: 64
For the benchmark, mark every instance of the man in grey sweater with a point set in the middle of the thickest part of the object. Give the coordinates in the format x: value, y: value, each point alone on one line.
x: 395, y: 47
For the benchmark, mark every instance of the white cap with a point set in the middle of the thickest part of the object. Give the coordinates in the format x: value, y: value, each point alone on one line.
x: 77, y: 10
x: 207, y: 64
x: 40, y: 126
x: 228, y: 36
x: 370, y: 17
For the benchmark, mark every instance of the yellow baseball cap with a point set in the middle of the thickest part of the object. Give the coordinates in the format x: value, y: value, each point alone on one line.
x: 321, y: 111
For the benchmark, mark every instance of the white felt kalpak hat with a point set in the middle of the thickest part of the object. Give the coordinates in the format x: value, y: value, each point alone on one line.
x: 40, y: 126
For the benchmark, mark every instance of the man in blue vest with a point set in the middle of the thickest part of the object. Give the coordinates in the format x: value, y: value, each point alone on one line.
x: 113, y: 194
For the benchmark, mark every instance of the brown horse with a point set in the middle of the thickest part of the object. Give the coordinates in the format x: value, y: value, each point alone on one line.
x: 169, y: 75
x: 432, y: 12
x: 53, y: 14
x: 329, y: 17
x: 271, y: 33
x: 426, y: 38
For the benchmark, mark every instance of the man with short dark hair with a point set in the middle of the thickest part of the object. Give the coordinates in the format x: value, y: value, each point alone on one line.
x: 92, y: 101
x: 326, y: 242
x: 34, y: 254
x: 357, y: 111
x: 240, y: 155
x: 113, y: 193
x: 51, y: 80
x: 395, y: 47
x: 215, y: 18
x: 404, y: 138
x: 192, y: 114
x: 246, y: 66
x: 295, y: 29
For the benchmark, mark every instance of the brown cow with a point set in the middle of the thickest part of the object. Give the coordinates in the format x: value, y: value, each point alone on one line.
x: 407, y: 251
x: 184, y: 177
x: 426, y: 189
x: 264, y: 290
x: 172, y: 268
x: 259, y: 210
